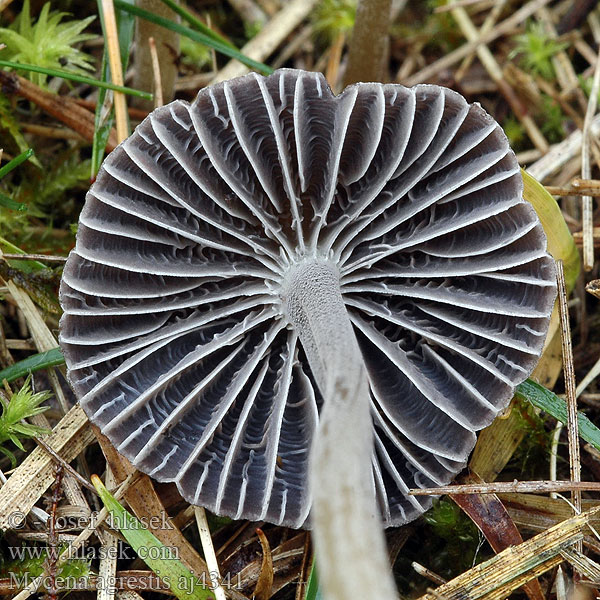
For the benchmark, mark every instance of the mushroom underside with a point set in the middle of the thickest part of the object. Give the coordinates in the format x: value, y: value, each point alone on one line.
x: 179, y: 330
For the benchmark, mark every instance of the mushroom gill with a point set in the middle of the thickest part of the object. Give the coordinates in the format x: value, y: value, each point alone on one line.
x: 272, y: 256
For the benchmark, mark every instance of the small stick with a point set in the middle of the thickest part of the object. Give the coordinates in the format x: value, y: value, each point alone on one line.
x: 571, y: 397
x: 46, y: 257
x: 57, y: 133
x: 209, y: 553
x: 586, y: 173
x: 158, y: 95
x: 65, y: 465
x: 571, y: 191
x: 508, y: 487
x: 116, y: 72
x: 592, y: 184
x: 425, y: 572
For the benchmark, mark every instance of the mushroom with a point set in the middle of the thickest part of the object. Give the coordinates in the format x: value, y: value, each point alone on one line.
x: 297, y: 306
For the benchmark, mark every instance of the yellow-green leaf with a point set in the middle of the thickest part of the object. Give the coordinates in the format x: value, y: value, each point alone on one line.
x: 561, y: 244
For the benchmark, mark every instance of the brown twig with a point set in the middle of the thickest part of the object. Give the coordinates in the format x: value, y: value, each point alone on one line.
x: 46, y: 257
x: 63, y: 108
x: 65, y: 465
x: 501, y: 487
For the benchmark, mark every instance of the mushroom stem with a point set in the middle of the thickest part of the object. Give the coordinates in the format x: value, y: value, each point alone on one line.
x: 349, y: 541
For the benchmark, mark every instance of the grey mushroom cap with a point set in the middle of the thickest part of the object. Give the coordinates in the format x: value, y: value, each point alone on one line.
x: 176, y: 329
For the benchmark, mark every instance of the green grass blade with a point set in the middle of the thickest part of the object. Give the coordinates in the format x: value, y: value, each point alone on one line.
x: 182, y: 582
x: 15, y: 162
x: 78, y: 78
x: 312, y: 588
x: 26, y: 266
x: 194, y: 35
x: 549, y: 402
x: 102, y: 126
x: 8, y: 202
x: 43, y: 360
x: 196, y: 23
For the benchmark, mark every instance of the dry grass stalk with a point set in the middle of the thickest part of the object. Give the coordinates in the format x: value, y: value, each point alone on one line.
x: 487, y: 26
x: 582, y: 564
x: 57, y: 133
x: 556, y: 190
x: 565, y: 73
x: 425, y: 572
x: 333, y: 61
x: 158, y: 95
x: 498, y: 577
x: 71, y: 550
x: 44, y: 340
x: 209, y: 552
x: 562, y: 153
x: 116, y: 72
x: 499, y: 487
x: 569, y: 375
x: 461, y: 3
x: 586, y: 172
x: 41, y: 334
x: 45, y: 257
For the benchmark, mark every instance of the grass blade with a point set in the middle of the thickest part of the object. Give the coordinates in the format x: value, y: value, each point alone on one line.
x: 196, y: 23
x: 26, y: 266
x: 312, y: 589
x: 77, y: 78
x: 182, y: 582
x: 194, y: 35
x: 549, y: 402
x: 43, y: 360
x: 15, y: 162
x: 8, y: 202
